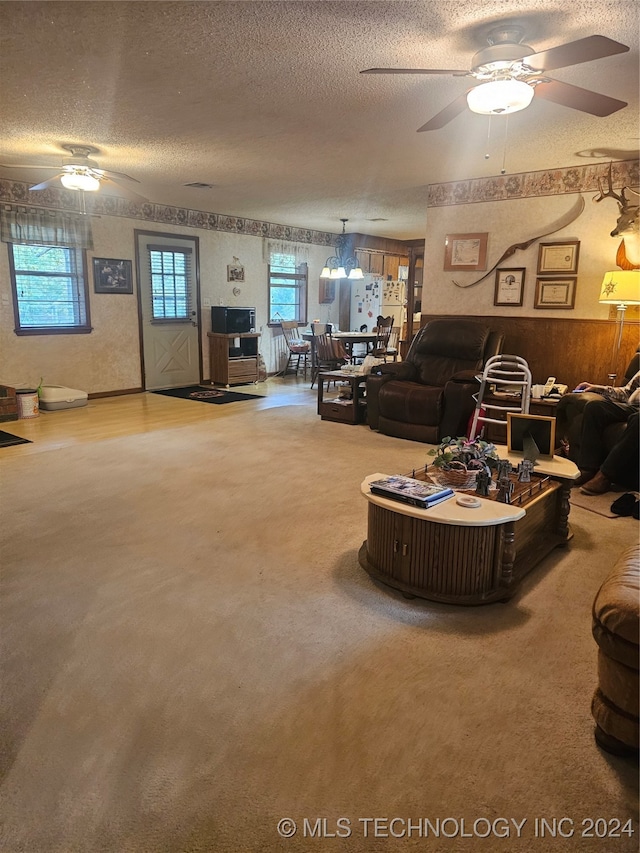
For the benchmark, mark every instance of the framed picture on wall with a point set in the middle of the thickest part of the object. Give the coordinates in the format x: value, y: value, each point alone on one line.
x: 112, y: 276
x: 558, y: 258
x: 555, y: 293
x: 465, y: 251
x: 326, y: 291
x: 235, y: 272
x: 509, y: 286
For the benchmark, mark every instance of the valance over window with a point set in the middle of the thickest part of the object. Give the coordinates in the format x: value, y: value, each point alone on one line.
x: 29, y: 226
x: 282, y: 247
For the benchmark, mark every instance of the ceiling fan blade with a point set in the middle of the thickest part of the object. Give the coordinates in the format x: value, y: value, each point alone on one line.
x: 578, y: 99
x: 117, y: 175
x: 447, y: 114
x: 46, y: 184
x: 573, y: 53
x: 415, y: 71
x: 123, y: 191
x: 14, y: 166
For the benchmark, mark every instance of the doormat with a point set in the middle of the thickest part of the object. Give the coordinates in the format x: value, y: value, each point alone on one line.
x: 7, y: 439
x: 203, y: 394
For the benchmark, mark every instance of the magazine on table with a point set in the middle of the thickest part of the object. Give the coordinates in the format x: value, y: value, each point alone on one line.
x: 410, y: 491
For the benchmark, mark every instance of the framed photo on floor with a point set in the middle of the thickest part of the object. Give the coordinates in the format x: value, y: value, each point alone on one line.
x: 540, y: 428
x: 555, y: 293
x: 509, y: 286
x: 112, y: 276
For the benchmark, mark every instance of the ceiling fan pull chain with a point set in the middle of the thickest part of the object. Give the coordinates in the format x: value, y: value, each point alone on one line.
x: 487, y: 155
x: 503, y: 171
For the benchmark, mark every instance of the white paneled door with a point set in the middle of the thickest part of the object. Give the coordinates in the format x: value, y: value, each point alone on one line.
x: 167, y: 267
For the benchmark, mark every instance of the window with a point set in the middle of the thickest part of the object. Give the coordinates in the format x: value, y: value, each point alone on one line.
x: 170, y: 273
x: 49, y: 289
x: 287, y: 289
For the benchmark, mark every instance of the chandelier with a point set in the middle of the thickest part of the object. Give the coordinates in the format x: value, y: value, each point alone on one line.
x: 341, y: 266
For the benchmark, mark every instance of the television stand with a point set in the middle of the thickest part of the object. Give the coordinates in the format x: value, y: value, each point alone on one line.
x: 233, y: 359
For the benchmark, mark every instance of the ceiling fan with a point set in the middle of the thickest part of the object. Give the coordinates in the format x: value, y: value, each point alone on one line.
x: 80, y: 172
x: 511, y: 73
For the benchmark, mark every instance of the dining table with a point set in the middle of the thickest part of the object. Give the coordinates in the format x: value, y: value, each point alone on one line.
x: 348, y: 340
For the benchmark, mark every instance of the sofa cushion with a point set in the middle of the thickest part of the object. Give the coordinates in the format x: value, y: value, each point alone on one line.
x: 411, y: 403
x: 616, y: 610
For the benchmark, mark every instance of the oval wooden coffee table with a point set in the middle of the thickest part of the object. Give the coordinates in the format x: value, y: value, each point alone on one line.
x: 462, y: 555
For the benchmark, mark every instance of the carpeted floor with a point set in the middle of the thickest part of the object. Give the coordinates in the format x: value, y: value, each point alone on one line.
x: 206, y: 394
x: 191, y: 654
x: 600, y: 504
x: 7, y: 439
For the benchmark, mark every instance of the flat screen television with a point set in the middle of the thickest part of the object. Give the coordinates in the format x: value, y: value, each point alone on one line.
x: 227, y: 320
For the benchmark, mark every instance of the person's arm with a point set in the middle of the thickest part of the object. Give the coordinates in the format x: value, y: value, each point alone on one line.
x: 621, y: 394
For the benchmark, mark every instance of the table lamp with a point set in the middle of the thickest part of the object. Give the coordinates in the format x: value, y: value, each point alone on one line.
x: 621, y: 288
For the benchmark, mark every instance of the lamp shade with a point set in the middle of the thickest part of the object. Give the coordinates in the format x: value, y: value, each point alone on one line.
x: 326, y: 273
x: 500, y: 97
x: 80, y: 181
x: 621, y: 287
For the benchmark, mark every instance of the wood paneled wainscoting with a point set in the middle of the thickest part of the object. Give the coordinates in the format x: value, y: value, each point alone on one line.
x: 571, y: 350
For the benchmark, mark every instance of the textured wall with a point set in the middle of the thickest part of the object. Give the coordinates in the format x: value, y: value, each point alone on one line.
x: 513, y: 221
x: 108, y: 359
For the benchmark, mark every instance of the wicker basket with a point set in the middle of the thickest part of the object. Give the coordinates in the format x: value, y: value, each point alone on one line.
x: 462, y: 480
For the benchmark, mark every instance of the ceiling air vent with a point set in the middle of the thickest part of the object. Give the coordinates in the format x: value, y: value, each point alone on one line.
x: 199, y: 185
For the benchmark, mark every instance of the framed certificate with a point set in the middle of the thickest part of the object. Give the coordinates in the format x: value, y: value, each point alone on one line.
x: 555, y: 293
x: 554, y: 258
x: 509, y: 286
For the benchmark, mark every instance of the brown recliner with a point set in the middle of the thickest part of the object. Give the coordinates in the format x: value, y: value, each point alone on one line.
x: 569, y: 415
x: 429, y: 395
x: 616, y: 630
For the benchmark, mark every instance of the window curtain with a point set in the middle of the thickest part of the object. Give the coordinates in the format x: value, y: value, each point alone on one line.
x: 45, y: 228
x: 281, y: 247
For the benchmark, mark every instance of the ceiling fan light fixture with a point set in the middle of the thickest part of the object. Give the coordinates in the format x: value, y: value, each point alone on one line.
x: 80, y: 180
x: 500, y: 97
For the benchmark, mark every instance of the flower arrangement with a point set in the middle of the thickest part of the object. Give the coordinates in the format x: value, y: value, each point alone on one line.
x: 464, y: 458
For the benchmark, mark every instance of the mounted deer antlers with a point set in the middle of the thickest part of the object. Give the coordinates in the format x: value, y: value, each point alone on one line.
x: 627, y: 223
x: 628, y: 219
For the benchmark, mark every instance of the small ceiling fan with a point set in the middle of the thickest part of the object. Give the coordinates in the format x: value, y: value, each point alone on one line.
x: 80, y: 172
x: 511, y: 73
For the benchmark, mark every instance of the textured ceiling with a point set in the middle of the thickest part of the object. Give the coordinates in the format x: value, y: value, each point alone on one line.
x: 264, y: 100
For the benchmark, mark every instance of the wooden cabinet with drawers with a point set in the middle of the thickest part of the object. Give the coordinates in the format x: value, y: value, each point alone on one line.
x: 233, y: 359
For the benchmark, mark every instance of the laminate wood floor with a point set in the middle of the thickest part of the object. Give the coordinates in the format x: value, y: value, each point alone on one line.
x: 130, y: 414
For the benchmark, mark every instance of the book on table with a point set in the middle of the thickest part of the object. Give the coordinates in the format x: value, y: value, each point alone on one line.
x: 410, y: 491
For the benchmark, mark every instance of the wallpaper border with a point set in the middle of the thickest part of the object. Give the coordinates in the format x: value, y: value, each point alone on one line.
x: 572, y: 179
x: 17, y: 192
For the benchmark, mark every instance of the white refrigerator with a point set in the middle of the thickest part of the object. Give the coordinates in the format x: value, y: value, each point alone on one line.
x: 371, y: 297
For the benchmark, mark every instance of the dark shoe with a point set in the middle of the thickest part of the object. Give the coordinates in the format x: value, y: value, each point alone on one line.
x: 636, y: 510
x: 624, y: 505
x: 599, y: 485
x: 584, y: 477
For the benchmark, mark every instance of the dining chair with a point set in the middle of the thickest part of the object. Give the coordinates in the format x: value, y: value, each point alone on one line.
x: 328, y: 354
x: 393, y: 345
x: 383, y: 333
x: 299, y: 350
